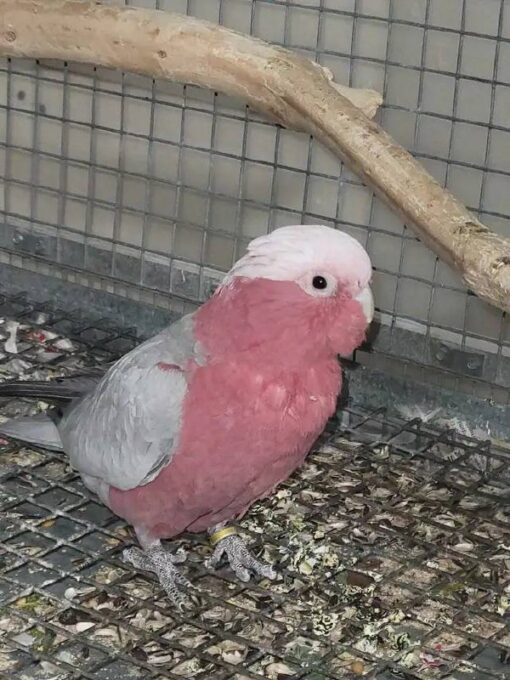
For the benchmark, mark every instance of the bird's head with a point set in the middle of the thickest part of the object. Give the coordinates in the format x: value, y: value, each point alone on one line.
x: 312, y: 280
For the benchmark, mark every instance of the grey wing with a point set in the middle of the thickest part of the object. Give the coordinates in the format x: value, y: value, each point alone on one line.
x: 127, y: 429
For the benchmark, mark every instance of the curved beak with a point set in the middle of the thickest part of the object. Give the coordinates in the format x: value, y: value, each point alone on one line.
x: 366, y: 300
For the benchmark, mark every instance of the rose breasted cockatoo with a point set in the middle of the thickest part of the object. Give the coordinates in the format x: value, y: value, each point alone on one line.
x: 190, y: 428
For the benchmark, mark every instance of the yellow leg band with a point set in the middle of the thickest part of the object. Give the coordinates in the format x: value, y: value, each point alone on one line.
x: 221, y: 534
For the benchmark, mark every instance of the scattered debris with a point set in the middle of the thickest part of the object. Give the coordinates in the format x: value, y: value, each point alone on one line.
x: 10, y: 344
x: 64, y: 344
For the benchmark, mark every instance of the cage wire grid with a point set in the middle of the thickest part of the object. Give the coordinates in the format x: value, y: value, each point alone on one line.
x: 393, y: 550
x: 117, y: 179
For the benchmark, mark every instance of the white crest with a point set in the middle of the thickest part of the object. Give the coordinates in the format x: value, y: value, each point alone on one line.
x: 291, y: 253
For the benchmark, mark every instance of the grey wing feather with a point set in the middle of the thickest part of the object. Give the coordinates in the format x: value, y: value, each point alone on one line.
x: 127, y: 428
x: 39, y: 429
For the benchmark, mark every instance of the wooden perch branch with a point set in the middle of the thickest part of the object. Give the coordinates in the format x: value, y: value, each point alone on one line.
x: 291, y: 89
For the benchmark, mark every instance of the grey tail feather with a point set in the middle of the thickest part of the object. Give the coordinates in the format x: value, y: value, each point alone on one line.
x: 58, y: 389
x: 35, y: 390
x: 39, y: 430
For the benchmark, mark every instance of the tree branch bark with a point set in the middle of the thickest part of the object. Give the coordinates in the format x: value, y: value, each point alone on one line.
x: 292, y: 90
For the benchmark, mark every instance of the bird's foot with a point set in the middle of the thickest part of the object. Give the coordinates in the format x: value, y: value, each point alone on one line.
x: 162, y: 563
x: 240, y: 559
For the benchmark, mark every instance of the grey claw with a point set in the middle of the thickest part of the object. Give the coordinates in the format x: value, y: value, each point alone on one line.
x: 240, y: 559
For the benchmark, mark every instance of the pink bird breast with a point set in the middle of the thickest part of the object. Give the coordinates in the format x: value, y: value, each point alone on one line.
x: 254, y: 410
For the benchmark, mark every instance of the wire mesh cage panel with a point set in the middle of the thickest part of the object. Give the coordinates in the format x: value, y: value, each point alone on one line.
x: 143, y: 186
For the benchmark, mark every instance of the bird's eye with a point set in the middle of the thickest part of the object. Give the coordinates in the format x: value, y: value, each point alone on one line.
x: 319, y: 282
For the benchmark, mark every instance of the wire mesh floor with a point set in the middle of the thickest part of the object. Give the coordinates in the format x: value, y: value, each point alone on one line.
x: 393, y: 550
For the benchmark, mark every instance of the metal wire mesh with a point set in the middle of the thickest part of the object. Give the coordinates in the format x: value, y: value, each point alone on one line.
x: 161, y: 187
x: 392, y: 543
